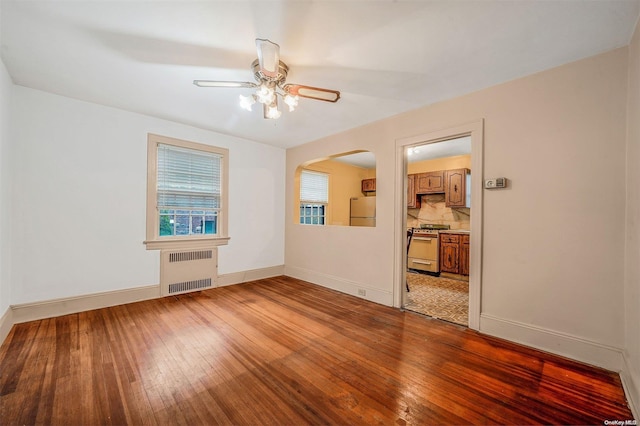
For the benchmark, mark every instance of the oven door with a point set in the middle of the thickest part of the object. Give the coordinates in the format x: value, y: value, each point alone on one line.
x: 423, y: 253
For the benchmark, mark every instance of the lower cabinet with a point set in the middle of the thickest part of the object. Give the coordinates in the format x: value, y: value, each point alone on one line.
x: 454, y: 253
x: 464, y: 255
x: 450, y: 253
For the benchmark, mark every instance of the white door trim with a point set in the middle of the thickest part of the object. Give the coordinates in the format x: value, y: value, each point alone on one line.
x: 474, y: 129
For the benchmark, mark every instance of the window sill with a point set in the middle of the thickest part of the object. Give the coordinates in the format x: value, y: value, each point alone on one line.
x: 186, y: 243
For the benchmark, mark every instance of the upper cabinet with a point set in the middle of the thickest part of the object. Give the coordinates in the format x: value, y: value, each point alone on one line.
x: 437, y: 171
x: 413, y: 201
x: 429, y: 183
x: 457, y: 188
x: 368, y: 185
x: 454, y: 184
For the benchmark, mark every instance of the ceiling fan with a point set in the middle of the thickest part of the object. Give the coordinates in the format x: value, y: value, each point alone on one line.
x: 270, y: 73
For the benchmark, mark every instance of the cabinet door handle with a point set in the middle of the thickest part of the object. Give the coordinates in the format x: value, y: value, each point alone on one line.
x: 421, y: 262
x: 455, y: 188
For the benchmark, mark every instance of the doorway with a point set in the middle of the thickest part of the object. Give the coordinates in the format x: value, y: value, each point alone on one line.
x: 438, y: 229
x: 445, y: 218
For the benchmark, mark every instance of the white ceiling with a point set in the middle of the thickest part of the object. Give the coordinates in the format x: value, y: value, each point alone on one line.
x: 448, y: 148
x: 431, y: 151
x: 385, y: 57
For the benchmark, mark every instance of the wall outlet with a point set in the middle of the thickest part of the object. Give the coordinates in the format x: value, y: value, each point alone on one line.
x: 362, y: 292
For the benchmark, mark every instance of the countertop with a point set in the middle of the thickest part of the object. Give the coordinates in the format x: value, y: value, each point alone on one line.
x: 455, y: 231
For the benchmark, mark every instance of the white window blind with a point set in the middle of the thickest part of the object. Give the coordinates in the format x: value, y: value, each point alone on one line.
x: 314, y: 187
x: 188, y: 179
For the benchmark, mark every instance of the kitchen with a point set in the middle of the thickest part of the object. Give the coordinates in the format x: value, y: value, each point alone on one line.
x: 437, y: 220
x: 438, y: 229
x: 349, y: 194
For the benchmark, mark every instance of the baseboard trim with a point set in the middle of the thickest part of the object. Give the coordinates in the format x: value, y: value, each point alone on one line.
x: 70, y: 305
x: 24, y: 312
x: 6, y: 322
x: 631, y: 385
x: 250, y: 275
x: 340, y: 284
x: 555, y: 342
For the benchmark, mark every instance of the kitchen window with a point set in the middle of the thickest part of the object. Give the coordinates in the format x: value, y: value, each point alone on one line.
x: 314, y: 196
x: 186, y: 194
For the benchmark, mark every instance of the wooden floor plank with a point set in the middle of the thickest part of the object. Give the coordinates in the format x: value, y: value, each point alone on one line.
x: 283, y: 351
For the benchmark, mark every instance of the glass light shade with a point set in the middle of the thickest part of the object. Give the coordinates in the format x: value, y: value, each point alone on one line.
x: 247, y: 101
x: 291, y: 101
x: 273, y: 111
x: 265, y: 94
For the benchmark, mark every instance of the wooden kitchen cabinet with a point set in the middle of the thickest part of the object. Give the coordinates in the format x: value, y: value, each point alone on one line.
x: 429, y: 182
x: 369, y: 185
x: 413, y: 200
x: 464, y: 255
x: 454, y: 253
x: 450, y: 253
x: 457, y: 191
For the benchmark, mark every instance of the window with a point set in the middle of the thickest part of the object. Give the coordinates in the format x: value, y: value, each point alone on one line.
x: 314, y: 195
x: 186, y: 193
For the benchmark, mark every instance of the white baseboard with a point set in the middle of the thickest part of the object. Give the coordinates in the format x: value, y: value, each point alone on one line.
x: 631, y: 384
x: 6, y: 322
x: 576, y: 348
x: 56, y: 307
x: 250, y: 275
x: 562, y: 344
x: 341, y: 285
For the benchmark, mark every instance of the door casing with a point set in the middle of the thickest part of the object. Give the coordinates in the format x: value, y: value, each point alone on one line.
x: 475, y: 130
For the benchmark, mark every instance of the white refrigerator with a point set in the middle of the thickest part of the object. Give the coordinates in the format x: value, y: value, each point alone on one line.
x: 363, y: 211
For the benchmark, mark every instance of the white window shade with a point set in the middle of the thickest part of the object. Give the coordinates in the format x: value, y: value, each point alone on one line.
x: 314, y: 187
x: 188, y: 179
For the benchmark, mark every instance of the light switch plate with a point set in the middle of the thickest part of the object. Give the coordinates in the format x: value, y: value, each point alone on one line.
x: 495, y: 183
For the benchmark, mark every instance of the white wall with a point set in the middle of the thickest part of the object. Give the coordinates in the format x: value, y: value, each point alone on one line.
x: 5, y: 190
x: 553, y: 245
x: 79, y: 205
x: 632, y: 254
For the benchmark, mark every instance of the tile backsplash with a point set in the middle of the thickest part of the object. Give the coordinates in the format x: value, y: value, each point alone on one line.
x: 432, y: 210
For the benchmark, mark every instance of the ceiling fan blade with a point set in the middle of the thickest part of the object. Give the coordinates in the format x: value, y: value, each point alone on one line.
x: 317, y: 93
x: 268, y: 57
x: 213, y: 83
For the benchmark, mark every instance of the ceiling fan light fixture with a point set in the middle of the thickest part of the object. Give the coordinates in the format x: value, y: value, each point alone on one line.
x: 246, y: 102
x: 268, y: 57
x: 266, y: 94
x: 271, y: 73
x: 291, y: 101
x: 271, y: 110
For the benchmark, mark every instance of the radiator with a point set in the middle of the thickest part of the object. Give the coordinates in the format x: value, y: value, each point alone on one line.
x: 182, y: 271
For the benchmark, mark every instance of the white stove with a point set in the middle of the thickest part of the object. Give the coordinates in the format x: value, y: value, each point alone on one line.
x: 424, y: 248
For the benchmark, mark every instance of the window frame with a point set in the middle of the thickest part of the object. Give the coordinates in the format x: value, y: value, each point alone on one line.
x: 323, y: 216
x: 153, y: 239
x: 324, y: 203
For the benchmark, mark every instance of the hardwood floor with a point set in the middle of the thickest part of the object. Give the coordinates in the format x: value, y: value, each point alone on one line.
x: 282, y: 351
